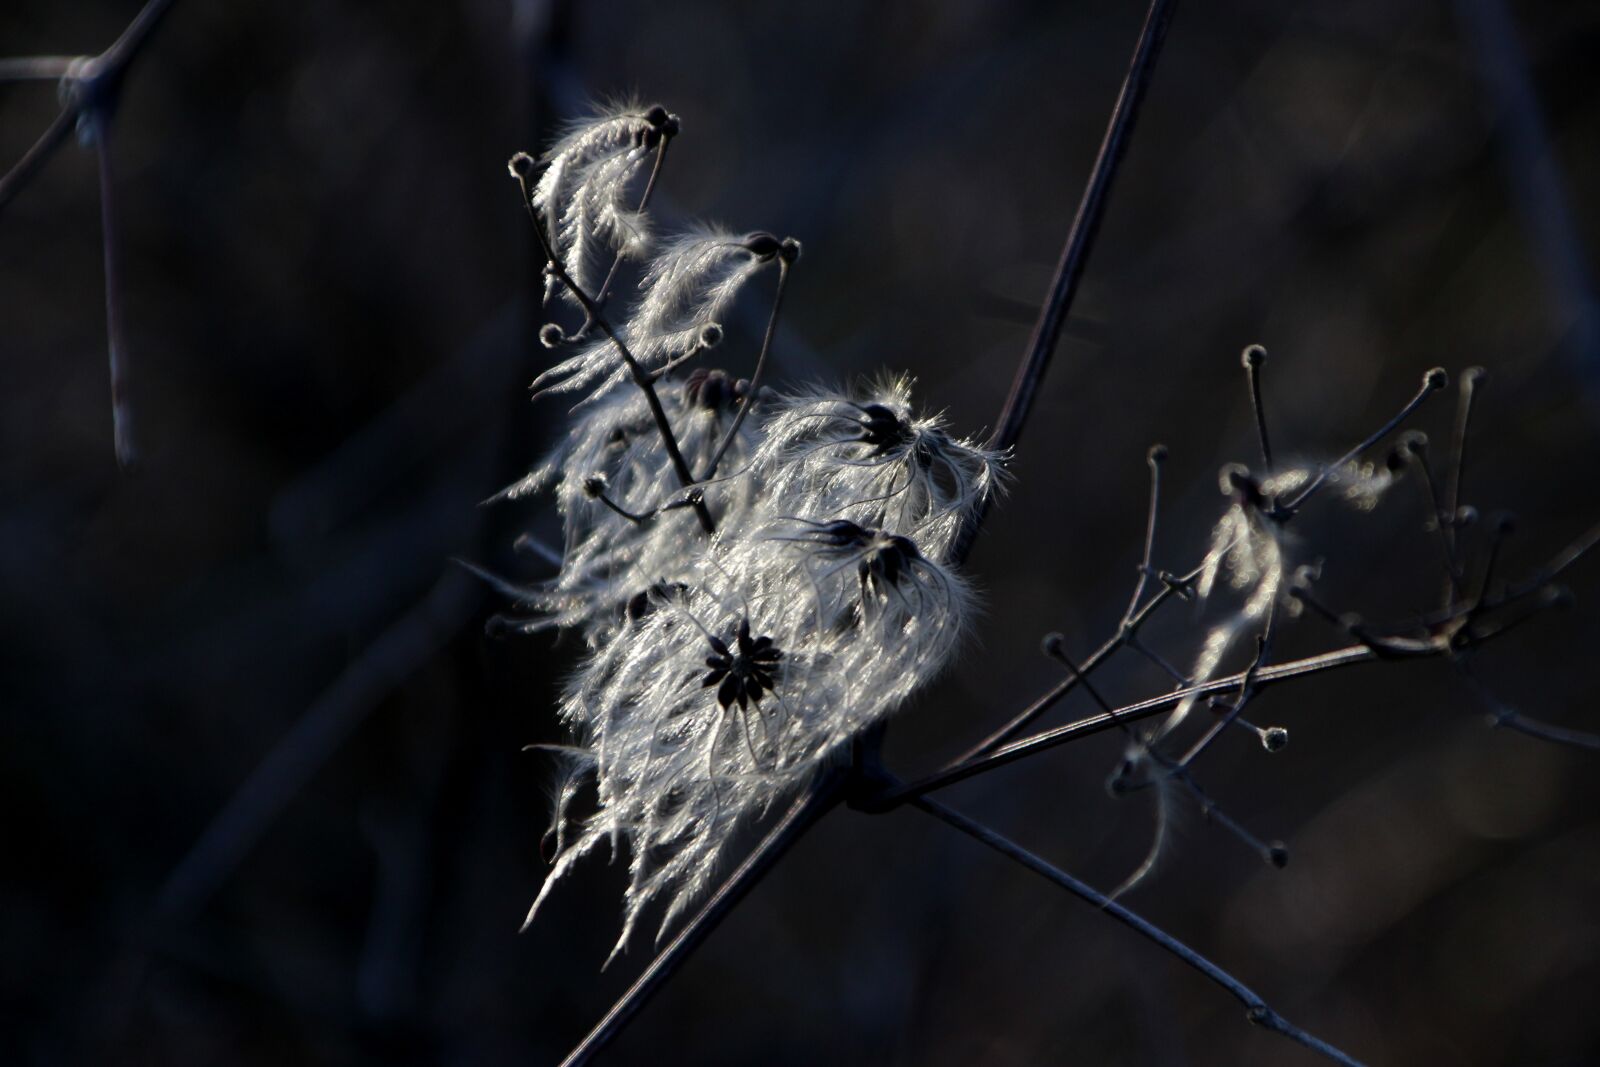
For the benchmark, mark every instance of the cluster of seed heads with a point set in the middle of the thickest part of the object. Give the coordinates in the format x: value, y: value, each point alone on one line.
x: 723, y: 670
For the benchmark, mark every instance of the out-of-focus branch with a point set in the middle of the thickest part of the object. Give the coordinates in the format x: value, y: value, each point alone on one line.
x: 91, y: 90
x: 1528, y: 157
x: 91, y: 85
x: 410, y: 641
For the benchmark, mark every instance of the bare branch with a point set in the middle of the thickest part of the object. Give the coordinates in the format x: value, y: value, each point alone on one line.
x: 1257, y: 1010
x: 1085, y: 226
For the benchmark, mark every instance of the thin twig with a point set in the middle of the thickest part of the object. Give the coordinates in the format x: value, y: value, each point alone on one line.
x: 1093, y: 724
x: 1553, y: 570
x: 37, y: 68
x: 1471, y: 380
x: 53, y: 137
x: 785, y: 258
x: 1154, y: 459
x: 1014, y: 414
x: 1432, y: 382
x: 94, y: 84
x: 522, y: 166
x: 601, y: 294
x: 1504, y: 716
x: 1125, y: 633
x: 1177, y: 770
x: 116, y: 331
x: 1254, y: 357
x: 1258, y: 1011
x: 1247, y: 691
x: 1417, y: 446
x: 1085, y: 226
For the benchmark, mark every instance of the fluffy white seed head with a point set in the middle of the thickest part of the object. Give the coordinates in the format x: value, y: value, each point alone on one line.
x: 867, y: 456
x: 686, y: 292
x: 728, y: 693
x: 584, y: 192
x: 614, y: 451
x: 722, y: 672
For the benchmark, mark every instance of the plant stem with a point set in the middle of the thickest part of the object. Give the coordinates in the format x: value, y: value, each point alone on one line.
x: 1257, y: 1010
x: 755, y: 376
x: 669, y: 440
x: 1085, y: 226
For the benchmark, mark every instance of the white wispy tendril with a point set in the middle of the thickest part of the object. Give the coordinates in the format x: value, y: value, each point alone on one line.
x: 583, y: 192
x: 731, y: 691
x: 722, y: 671
x: 686, y: 291
x: 868, y: 457
x: 614, y: 449
x: 1253, y: 551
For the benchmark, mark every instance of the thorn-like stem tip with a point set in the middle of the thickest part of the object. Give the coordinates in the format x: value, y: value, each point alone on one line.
x: 522, y: 166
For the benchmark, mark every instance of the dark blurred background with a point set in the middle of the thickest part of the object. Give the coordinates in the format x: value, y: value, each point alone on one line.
x: 265, y: 800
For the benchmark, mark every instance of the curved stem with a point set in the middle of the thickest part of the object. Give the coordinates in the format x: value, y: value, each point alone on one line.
x: 755, y: 376
x: 641, y: 378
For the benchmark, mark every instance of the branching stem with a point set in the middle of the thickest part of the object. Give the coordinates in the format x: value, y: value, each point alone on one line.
x: 522, y: 168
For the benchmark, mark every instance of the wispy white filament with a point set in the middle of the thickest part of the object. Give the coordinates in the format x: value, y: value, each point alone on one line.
x: 723, y: 671
x: 853, y: 621
x: 867, y: 456
x: 686, y: 291
x: 614, y: 447
x: 583, y: 193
